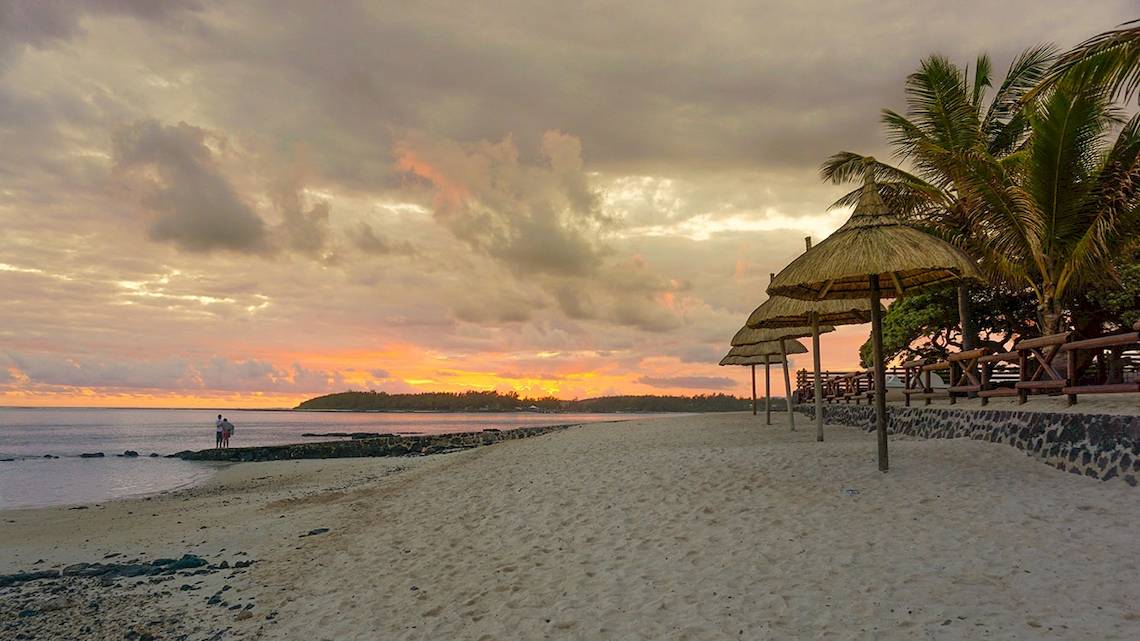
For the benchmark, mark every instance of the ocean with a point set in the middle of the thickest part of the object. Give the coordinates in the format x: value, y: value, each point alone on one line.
x: 29, y: 435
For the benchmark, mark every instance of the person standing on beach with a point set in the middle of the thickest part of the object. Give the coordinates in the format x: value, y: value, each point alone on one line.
x: 219, y: 430
x: 227, y: 432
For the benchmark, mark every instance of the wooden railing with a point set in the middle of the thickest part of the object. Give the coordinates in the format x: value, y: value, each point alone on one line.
x: 1045, y: 365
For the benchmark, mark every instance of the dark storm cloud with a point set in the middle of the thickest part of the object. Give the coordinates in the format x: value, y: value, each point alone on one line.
x: 195, y: 205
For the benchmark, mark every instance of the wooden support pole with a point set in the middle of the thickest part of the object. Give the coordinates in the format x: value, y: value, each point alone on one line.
x: 754, y: 390
x: 767, y: 391
x: 818, y: 383
x: 788, y: 387
x: 880, y: 374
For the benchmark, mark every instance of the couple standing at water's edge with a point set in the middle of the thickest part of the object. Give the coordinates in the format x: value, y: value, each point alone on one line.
x: 223, y: 430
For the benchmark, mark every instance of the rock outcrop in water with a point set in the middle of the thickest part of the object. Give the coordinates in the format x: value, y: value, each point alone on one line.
x: 386, y: 445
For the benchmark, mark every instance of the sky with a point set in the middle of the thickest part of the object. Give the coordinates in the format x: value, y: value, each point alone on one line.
x: 246, y: 204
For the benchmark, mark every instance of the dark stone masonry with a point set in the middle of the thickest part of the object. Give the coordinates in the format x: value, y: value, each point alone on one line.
x: 380, y: 445
x: 1101, y: 446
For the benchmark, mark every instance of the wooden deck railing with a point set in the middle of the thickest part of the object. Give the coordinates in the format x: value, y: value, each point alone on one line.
x: 1050, y: 365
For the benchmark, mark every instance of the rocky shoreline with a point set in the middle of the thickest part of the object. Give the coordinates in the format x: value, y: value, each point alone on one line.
x: 364, y: 444
x: 128, y: 596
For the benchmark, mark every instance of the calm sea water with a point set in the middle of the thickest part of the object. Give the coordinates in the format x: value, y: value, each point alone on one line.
x: 27, y: 435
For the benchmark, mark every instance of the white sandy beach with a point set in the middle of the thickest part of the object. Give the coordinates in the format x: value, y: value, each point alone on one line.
x: 701, y: 527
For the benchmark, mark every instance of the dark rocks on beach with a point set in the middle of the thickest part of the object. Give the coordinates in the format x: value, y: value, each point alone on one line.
x: 130, y: 454
x: 188, y: 561
x: 154, y: 454
x: 315, y: 532
x: 353, y: 435
x: 377, y: 445
x: 91, y: 455
x: 50, y: 456
x: 24, y: 577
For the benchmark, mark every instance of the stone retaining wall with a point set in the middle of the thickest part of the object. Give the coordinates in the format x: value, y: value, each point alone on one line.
x: 379, y: 446
x: 1102, y: 446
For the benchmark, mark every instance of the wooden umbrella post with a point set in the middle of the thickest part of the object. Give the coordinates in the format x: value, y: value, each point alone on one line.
x: 767, y: 392
x: 818, y: 384
x: 788, y: 387
x: 880, y: 375
x: 754, y: 389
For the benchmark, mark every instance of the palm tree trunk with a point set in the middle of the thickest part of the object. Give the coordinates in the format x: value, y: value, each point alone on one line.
x: 1050, y: 312
x: 966, y: 319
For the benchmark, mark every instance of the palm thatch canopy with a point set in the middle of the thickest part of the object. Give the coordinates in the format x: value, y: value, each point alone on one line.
x: 781, y: 311
x: 750, y: 336
x: 769, y: 359
x: 768, y: 348
x: 872, y: 241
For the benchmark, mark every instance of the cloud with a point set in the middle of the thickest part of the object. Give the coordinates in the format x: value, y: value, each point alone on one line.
x: 173, y: 169
x: 688, y: 382
x: 215, y: 374
x: 391, y: 188
x: 305, y: 228
x: 40, y: 23
x: 364, y: 238
x: 535, y: 218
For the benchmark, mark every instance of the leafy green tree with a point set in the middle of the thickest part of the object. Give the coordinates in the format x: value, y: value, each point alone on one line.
x: 925, y: 325
x: 1115, y: 304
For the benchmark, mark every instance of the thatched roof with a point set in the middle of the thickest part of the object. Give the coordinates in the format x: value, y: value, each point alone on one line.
x: 769, y: 347
x: 781, y: 311
x: 773, y: 359
x: 749, y: 336
x: 872, y: 241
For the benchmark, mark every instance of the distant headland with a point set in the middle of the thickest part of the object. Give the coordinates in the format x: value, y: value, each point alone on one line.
x: 473, y: 401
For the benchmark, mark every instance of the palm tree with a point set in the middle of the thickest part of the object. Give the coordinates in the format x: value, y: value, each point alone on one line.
x: 1053, y: 214
x: 1111, y: 60
x: 949, y: 121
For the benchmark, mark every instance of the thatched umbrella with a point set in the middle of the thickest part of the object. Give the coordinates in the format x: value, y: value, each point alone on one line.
x: 753, y: 361
x: 873, y: 243
x: 781, y: 311
x: 748, y: 335
x: 772, y: 351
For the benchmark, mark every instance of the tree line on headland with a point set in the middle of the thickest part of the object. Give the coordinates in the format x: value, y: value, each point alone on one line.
x: 475, y: 401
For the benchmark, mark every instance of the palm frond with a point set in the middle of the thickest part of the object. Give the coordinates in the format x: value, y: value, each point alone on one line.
x: 1004, y: 125
x: 848, y: 166
x: 939, y: 104
x: 983, y: 69
x: 1067, y: 129
x: 1111, y: 212
x: 1025, y: 72
x: 1110, y: 59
